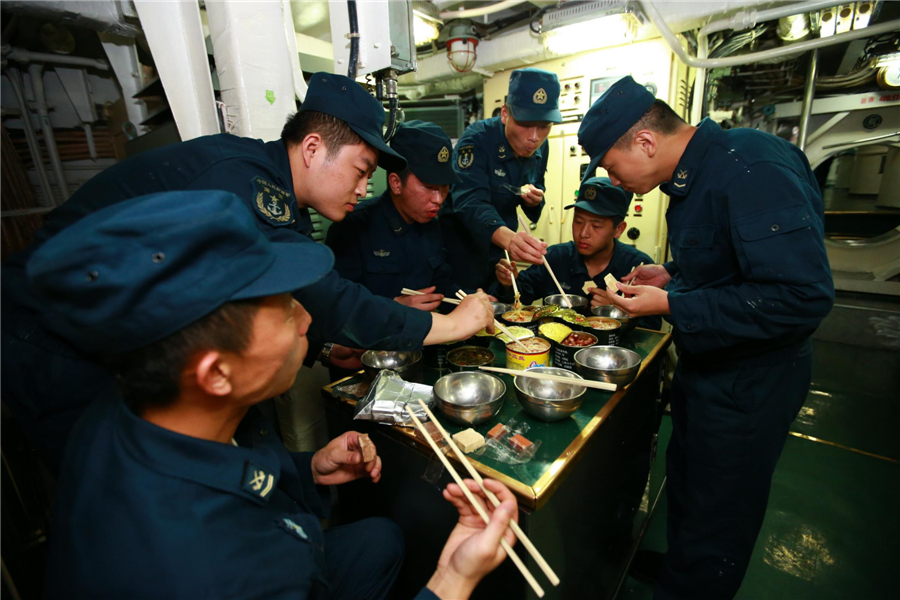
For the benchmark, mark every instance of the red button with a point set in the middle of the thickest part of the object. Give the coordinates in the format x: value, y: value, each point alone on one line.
x: 638, y: 208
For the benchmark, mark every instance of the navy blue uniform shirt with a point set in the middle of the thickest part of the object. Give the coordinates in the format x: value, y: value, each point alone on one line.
x: 568, y: 265
x: 375, y: 247
x: 260, y: 174
x: 486, y: 199
x: 750, y: 273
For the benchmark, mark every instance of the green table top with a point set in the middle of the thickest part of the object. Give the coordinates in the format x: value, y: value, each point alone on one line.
x: 561, y: 440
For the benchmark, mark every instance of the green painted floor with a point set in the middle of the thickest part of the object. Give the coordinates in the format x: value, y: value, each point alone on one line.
x: 832, y: 530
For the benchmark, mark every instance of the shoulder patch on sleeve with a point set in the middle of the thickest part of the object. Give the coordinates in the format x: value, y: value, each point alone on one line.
x: 271, y: 203
x: 465, y: 156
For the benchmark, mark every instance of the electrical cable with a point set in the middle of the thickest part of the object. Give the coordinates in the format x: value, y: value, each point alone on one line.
x: 354, y: 39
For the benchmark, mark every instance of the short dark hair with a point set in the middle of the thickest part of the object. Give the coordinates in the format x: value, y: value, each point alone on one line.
x: 403, y: 175
x: 335, y: 133
x: 659, y: 118
x: 151, y: 376
x: 616, y: 220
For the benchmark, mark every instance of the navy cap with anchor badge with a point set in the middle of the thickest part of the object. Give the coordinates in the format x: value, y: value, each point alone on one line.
x: 611, y: 116
x: 534, y: 95
x: 138, y: 271
x: 599, y: 196
x: 427, y: 150
x: 343, y: 98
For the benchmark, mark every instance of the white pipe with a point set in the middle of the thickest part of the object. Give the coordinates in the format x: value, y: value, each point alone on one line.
x: 746, y: 19
x: 15, y: 79
x: 40, y: 99
x: 478, y: 12
x: 291, y: 35
x: 26, y: 56
x: 789, y: 50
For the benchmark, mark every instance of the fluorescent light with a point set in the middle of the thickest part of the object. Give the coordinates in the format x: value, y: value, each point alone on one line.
x: 612, y: 30
x: 425, y: 28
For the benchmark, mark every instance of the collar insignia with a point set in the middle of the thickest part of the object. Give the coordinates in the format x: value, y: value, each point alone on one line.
x: 383, y: 253
x: 682, y: 174
x: 679, y: 185
x: 540, y: 96
x: 443, y: 155
x: 257, y: 481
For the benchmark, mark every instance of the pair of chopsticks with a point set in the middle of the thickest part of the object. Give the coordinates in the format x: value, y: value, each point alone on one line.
x: 409, y: 292
x: 461, y: 294
x: 546, y: 264
x: 494, y: 500
x: 513, y: 277
x: 597, y: 385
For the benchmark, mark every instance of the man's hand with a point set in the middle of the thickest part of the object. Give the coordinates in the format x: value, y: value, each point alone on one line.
x: 428, y: 302
x: 473, y: 548
x: 643, y: 300
x: 346, y: 358
x: 599, y: 297
x: 341, y: 461
x: 533, y: 195
x: 505, y: 271
x: 473, y: 314
x: 655, y: 275
x: 525, y: 247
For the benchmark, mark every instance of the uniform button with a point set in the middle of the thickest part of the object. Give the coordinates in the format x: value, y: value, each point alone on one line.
x: 263, y: 432
x: 775, y: 227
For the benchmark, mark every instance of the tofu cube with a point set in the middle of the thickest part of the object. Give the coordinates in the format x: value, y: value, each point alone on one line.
x: 468, y: 440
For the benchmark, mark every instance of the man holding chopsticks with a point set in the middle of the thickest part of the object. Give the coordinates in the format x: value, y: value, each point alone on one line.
x: 394, y: 241
x: 501, y: 162
x: 595, y: 252
x: 748, y: 284
x: 175, y: 486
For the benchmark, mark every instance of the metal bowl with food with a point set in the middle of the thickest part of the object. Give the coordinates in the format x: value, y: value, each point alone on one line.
x: 519, y: 318
x: 549, y: 400
x: 564, y: 350
x: 435, y: 355
x: 606, y: 329
x: 579, y: 303
x: 614, y: 312
x: 501, y: 307
x: 469, y: 398
x: 402, y: 363
x: 611, y: 364
x: 469, y: 358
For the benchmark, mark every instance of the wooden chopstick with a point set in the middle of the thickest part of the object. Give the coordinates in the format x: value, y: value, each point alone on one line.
x: 409, y: 292
x: 478, y: 508
x: 546, y: 264
x: 461, y: 294
x: 494, y: 500
x: 512, y: 276
x: 597, y: 385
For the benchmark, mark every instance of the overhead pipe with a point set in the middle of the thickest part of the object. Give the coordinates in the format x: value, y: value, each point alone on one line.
x: 809, y: 94
x: 479, y: 12
x: 290, y: 33
x: 26, y: 56
x: 15, y: 79
x: 40, y: 99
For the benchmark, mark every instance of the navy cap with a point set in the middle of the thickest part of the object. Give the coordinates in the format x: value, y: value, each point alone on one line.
x: 343, y: 98
x: 599, y: 196
x: 427, y: 150
x: 611, y: 116
x: 534, y: 95
x: 138, y: 271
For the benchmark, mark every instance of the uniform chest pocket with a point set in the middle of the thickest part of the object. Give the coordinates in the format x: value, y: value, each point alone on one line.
x: 435, y: 260
x: 700, y: 256
x: 382, y: 263
x: 783, y: 245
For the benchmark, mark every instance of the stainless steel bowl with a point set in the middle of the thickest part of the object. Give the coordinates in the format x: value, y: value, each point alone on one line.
x: 500, y: 308
x: 403, y: 363
x: 481, y: 356
x: 579, y: 303
x: 549, y: 400
x: 616, y: 313
x: 611, y: 364
x: 469, y: 398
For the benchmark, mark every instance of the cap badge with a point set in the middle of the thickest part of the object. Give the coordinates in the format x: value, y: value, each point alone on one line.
x: 272, y: 203
x: 443, y: 155
x: 540, y: 96
x: 590, y: 193
x: 466, y: 157
x: 682, y: 174
x: 381, y: 253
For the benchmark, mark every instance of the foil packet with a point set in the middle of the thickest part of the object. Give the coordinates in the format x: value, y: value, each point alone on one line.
x: 388, y: 397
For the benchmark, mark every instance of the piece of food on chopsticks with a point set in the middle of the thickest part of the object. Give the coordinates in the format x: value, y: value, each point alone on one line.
x: 555, y: 331
x: 519, y: 332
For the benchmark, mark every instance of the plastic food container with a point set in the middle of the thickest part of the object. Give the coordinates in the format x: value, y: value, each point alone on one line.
x: 538, y: 354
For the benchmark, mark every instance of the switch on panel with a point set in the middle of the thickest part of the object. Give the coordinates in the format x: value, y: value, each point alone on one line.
x: 633, y: 233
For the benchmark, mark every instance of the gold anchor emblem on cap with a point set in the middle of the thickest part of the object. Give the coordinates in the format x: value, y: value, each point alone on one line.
x: 590, y: 193
x: 443, y: 155
x: 540, y: 96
